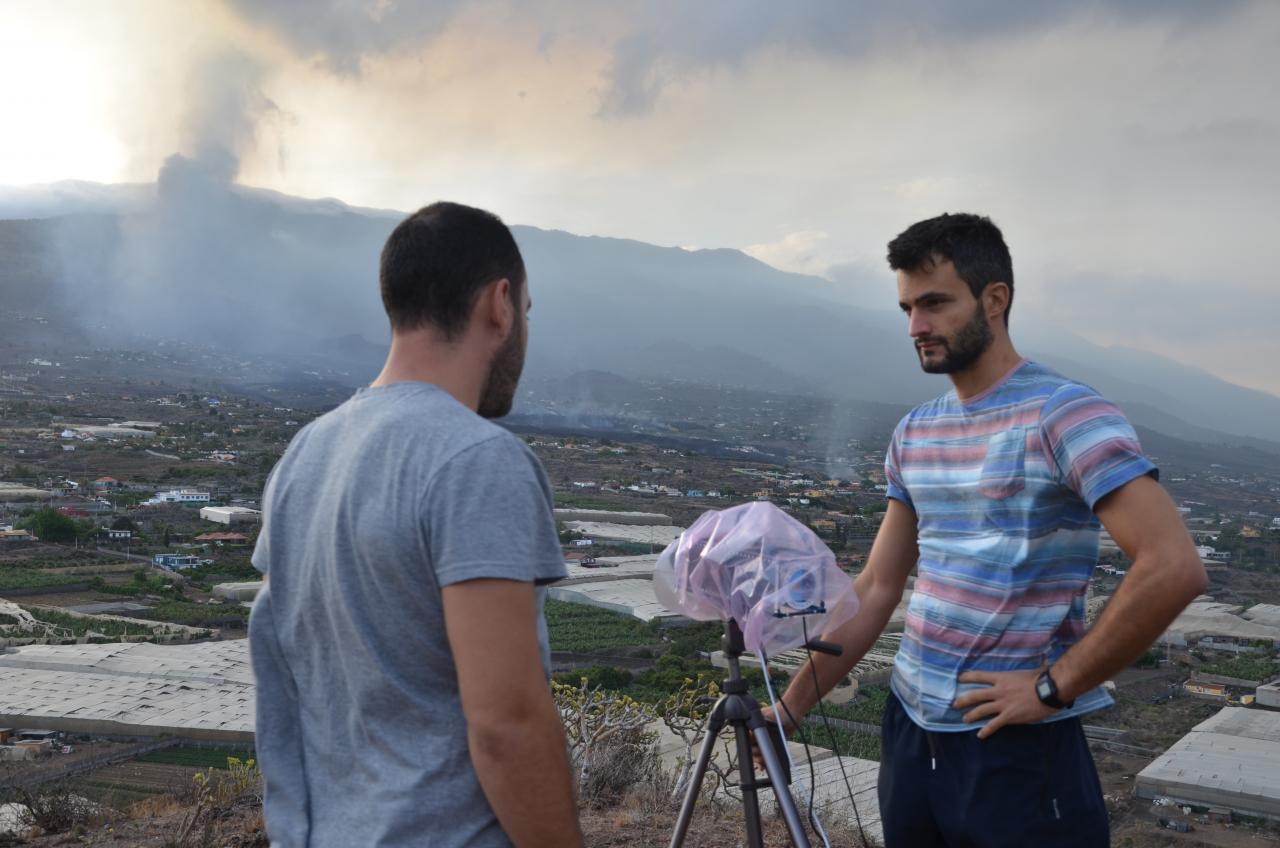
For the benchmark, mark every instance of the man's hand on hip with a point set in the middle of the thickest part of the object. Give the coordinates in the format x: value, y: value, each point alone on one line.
x: 1009, y: 697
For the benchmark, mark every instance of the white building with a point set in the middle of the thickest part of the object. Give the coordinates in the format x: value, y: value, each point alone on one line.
x: 180, y: 496
x: 230, y: 515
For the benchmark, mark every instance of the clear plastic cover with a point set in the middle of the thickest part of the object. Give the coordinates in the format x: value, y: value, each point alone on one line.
x: 757, y: 565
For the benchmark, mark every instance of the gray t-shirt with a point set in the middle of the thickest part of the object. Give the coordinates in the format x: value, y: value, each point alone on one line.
x: 374, y: 507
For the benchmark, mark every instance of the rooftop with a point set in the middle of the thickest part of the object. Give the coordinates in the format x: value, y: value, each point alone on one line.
x: 1228, y: 760
x: 611, y: 516
x: 627, y: 596
x: 1206, y: 618
x: 656, y: 534
x: 200, y: 691
x: 1264, y: 614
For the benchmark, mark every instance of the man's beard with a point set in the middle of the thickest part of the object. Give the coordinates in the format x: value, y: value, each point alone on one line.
x: 962, y: 350
x: 499, y: 390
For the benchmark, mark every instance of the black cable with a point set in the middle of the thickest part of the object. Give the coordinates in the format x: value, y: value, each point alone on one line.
x: 835, y: 748
x: 813, y: 778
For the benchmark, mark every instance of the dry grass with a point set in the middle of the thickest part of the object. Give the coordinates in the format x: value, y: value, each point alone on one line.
x: 155, y: 807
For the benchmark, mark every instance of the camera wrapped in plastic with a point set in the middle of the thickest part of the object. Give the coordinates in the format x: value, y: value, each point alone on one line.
x: 761, y: 567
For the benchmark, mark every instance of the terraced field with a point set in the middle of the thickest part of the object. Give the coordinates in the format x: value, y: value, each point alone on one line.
x: 165, y: 772
x: 123, y: 784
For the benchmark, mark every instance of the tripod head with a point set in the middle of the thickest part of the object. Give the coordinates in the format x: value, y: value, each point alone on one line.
x: 733, y: 646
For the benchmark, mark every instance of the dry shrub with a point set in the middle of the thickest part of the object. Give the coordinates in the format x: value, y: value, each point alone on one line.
x: 611, y: 747
x: 55, y: 808
x: 617, y: 764
x: 154, y: 807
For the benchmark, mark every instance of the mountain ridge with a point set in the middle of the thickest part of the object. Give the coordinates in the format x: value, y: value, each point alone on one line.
x: 301, y: 271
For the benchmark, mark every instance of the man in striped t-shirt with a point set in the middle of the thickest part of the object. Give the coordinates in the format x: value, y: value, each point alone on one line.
x: 997, y: 493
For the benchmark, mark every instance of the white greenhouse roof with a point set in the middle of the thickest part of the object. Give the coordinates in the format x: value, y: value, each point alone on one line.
x: 1202, y: 618
x: 133, y: 688
x: 1232, y: 759
x: 611, y: 566
x: 629, y: 597
x: 1265, y: 614
x: 656, y: 534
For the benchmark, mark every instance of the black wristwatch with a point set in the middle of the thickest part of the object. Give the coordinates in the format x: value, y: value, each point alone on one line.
x: 1047, y: 692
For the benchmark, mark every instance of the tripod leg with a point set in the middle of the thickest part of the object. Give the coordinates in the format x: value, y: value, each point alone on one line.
x: 781, y: 791
x: 714, y: 724
x: 750, y: 801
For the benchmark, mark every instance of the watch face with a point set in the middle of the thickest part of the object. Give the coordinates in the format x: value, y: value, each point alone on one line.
x: 1044, y: 688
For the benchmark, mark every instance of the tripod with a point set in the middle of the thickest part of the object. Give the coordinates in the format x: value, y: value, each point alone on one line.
x: 740, y: 710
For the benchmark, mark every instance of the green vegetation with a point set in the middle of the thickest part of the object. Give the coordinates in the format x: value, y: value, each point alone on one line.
x: 694, y: 639
x: 66, y: 557
x: 49, y: 525
x: 605, y: 676
x: 848, y: 743
x: 583, y: 629
x: 232, y: 569
x: 565, y: 500
x: 112, y: 794
x: 29, y: 578
x: 669, y: 675
x: 1151, y: 659
x: 867, y: 708
x: 81, y: 626
x: 198, y: 615
x: 1260, y: 668
x: 197, y: 757
x: 191, y: 471
x: 144, y: 582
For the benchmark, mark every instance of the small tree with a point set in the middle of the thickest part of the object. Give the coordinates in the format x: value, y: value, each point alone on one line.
x: 49, y: 525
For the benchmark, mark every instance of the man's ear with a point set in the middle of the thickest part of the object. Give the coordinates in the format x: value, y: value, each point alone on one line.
x: 496, y: 308
x: 996, y: 300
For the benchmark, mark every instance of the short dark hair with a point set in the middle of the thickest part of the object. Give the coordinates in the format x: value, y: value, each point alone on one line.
x: 972, y: 243
x: 437, y: 260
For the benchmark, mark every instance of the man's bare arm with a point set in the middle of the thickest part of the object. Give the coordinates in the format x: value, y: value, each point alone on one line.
x: 1165, y: 576
x: 513, y: 728
x: 879, y: 589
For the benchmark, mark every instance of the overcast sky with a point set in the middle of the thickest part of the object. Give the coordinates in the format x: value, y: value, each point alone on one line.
x: 1129, y: 150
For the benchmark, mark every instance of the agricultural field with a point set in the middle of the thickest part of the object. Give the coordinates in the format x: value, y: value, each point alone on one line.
x: 196, y: 757
x: 229, y: 616
x: 123, y: 784
x: 42, y: 566
x: 14, y: 578
x: 1260, y: 668
x: 168, y: 771
x: 584, y: 629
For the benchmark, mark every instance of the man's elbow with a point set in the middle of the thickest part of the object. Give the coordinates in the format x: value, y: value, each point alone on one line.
x: 494, y: 733
x: 1193, y: 580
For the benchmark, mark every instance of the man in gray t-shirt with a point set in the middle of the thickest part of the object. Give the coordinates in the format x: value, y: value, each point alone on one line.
x: 399, y: 645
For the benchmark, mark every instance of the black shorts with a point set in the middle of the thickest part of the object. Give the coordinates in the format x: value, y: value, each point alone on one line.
x: 1025, y: 785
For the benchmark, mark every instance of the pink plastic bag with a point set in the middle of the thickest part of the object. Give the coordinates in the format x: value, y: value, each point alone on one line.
x: 758, y: 565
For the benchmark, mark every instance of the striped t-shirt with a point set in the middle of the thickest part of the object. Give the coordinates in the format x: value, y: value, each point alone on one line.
x: 1003, y: 485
